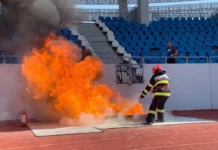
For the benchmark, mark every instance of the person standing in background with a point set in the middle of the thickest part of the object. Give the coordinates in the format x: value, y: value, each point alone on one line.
x: 171, y: 53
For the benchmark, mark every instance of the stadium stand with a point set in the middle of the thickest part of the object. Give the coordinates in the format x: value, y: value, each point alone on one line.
x: 69, y: 34
x: 74, y: 36
x: 195, y: 38
x: 6, y: 58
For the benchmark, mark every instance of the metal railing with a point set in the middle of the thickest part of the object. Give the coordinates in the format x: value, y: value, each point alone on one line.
x: 10, y: 59
x: 123, y: 75
x: 156, y: 16
x: 113, y: 2
x: 179, y: 59
x: 213, y: 59
x: 138, y: 60
x: 103, y: 2
x: 128, y: 71
x: 129, y: 16
x: 94, y: 13
x: 183, y: 11
x: 129, y: 74
x: 134, y: 61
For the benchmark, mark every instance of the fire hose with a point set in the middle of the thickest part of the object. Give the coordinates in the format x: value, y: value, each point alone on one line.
x: 128, y: 108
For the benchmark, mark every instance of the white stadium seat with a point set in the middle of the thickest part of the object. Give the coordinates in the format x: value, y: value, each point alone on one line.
x: 101, y: 24
x: 105, y: 29
x: 111, y: 39
x: 121, y: 50
x: 74, y: 31
x: 89, y: 47
x: 115, y: 44
x: 82, y: 38
x: 126, y: 56
x: 85, y: 43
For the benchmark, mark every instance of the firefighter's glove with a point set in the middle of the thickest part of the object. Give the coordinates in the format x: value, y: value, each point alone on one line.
x: 142, y: 96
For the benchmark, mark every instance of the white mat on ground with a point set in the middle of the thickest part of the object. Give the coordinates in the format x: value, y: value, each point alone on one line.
x: 50, y: 129
x: 169, y: 120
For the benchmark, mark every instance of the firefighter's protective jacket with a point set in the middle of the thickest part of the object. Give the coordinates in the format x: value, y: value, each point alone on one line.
x: 160, y: 84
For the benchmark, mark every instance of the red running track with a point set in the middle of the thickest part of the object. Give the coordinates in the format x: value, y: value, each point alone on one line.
x: 175, y: 137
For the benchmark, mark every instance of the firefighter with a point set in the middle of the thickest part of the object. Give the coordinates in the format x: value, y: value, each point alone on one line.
x: 160, y: 93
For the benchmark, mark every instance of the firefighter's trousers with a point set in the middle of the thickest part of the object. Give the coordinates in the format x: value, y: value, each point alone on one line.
x: 157, y: 104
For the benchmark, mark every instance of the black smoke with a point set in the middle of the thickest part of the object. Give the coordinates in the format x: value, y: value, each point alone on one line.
x: 30, y: 21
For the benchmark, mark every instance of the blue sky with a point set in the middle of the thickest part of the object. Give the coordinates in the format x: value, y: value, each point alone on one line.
x: 151, y: 5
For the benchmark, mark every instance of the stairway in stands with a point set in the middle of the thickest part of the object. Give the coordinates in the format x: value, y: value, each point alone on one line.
x: 99, y: 42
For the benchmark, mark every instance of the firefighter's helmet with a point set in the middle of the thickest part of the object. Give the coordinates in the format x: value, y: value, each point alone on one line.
x: 156, y: 68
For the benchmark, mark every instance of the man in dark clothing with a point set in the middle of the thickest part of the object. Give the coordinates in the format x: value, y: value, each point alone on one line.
x: 171, y: 52
x: 161, y: 92
x: 86, y: 52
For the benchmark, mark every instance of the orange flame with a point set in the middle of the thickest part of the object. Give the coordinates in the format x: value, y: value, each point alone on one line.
x: 55, y: 73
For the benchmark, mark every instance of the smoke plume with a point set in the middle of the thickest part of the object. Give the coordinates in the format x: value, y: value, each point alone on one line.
x: 31, y: 21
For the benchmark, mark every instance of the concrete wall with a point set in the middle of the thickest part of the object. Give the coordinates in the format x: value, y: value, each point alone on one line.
x: 214, y: 85
x: 12, y: 100
x: 194, y: 86
x: 143, y: 11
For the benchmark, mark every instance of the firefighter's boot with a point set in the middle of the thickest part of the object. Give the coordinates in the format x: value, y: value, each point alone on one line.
x: 160, y: 117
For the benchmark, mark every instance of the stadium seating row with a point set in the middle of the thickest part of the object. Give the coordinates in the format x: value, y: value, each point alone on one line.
x: 6, y: 58
x: 66, y: 33
x: 166, y: 20
x: 70, y: 34
x: 74, y: 36
x: 192, y: 37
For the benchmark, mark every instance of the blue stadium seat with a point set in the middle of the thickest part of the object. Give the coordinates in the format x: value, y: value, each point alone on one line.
x: 138, y: 49
x: 8, y: 60
x: 208, y: 43
x: 1, y: 60
x: 58, y: 33
x: 140, y: 44
x: 115, y: 18
x: 202, y: 61
x: 72, y: 38
x: 164, y: 54
x: 195, y: 18
x: 101, y: 18
x: 66, y: 32
x: 199, y: 43
x: 180, y: 61
x: 4, y: 52
x: 182, y: 54
x: 145, y: 54
x: 214, y: 60
x: 192, y: 61
x: 202, y: 54
x: 16, y: 61
x: 211, y: 54
x: 192, y: 54
x: 162, y: 61
x: 194, y: 37
x: 182, y: 50
x: 156, y: 54
x: 154, y: 61
x: 135, y: 38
